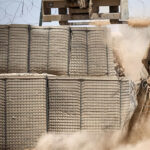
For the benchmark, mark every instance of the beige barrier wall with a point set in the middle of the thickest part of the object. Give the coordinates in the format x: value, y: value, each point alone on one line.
x: 3, y: 48
x: 25, y: 110
x: 56, y: 50
x: 64, y: 106
x: 91, y: 104
x: 18, y: 49
x: 90, y: 52
x: 2, y: 114
x: 49, y: 50
x: 36, y: 104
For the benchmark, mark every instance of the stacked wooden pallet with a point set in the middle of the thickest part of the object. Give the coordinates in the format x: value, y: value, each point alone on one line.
x: 75, y: 10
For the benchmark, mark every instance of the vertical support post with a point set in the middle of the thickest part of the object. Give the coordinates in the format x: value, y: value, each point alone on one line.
x: 124, y: 10
x: 40, y: 20
x: 5, y: 115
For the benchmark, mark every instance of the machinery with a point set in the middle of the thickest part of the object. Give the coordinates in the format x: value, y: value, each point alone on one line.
x: 84, y: 10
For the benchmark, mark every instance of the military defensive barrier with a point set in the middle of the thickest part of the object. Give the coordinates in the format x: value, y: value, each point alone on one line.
x: 87, y: 95
x: 32, y: 105
x: 55, y: 50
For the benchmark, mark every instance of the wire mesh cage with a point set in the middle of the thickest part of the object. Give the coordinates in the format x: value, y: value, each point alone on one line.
x: 90, y: 53
x: 49, y: 50
x: 25, y: 110
x: 39, y: 50
x: 18, y: 49
x: 101, y: 103
x: 2, y: 114
x: 56, y: 50
x: 64, y: 106
x: 3, y: 48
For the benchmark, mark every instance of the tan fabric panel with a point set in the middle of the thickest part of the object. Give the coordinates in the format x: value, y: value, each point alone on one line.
x: 101, y: 105
x: 26, y: 112
x: 2, y: 114
x: 39, y: 50
x: 125, y: 103
x: 78, y: 54
x: 97, y: 53
x: 91, y: 54
x: 58, y: 51
x: 3, y: 48
x: 18, y: 49
x: 64, y: 106
x: 104, y: 103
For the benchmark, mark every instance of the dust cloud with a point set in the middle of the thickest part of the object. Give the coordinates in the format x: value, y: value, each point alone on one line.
x: 130, y: 45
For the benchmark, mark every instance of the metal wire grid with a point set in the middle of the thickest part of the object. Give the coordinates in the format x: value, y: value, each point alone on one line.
x: 110, y: 58
x: 26, y: 112
x: 3, y: 48
x: 2, y: 114
x: 48, y: 51
x: 100, y: 105
x: 64, y: 106
x: 18, y: 49
x: 90, y: 53
x: 78, y: 57
x: 58, y: 51
x: 125, y: 103
x: 39, y: 50
x: 97, y: 53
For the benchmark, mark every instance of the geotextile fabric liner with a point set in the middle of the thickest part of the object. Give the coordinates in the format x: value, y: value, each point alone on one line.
x: 98, y: 104
x: 49, y: 50
x: 2, y: 114
x: 56, y: 50
x: 18, y: 49
x: 3, y: 48
x: 90, y: 52
x: 39, y: 50
x: 33, y: 104
x: 25, y: 111
x: 64, y: 106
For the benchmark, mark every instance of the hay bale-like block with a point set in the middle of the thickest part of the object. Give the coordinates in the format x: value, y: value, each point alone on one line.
x: 58, y: 51
x: 2, y: 114
x: 90, y: 53
x: 64, y: 106
x: 101, y: 103
x: 78, y: 57
x: 18, y: 49
x: 3, y: 48
x: 26, y: 110
x: 39, y: 50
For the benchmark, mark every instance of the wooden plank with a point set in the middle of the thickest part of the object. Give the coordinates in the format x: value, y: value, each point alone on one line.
x: 80, y: 17
x: 78, y: 11
x: 56, y: 4
x: 54, y: 0
x: 106, y: 16
x: 47, y: 18
x: 60, y: 4
x: 106, y: 2
x: 124, y: 10
x: 110, y: 16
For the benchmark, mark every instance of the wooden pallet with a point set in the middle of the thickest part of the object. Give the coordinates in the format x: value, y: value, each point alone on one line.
x: 70, y: 10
